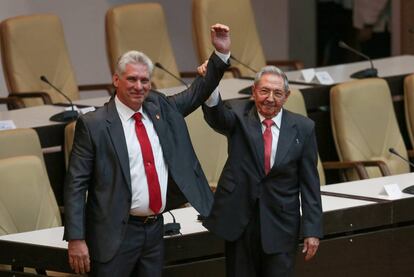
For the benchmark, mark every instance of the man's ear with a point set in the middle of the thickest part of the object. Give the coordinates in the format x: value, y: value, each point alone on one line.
x: 115, y: 80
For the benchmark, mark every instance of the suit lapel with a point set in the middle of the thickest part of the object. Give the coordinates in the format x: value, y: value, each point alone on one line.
x: 254, y: 130
x: 116, y: 133
x: 160, y: 125
x: 287, y: 135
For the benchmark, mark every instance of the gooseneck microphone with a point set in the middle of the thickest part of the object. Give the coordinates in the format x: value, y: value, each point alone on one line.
x: 410, y: 189
x: 64, y: 116
x: 243, y: 64
x: 365, y: 73
x: 172, y: 228
x: 157, y: 64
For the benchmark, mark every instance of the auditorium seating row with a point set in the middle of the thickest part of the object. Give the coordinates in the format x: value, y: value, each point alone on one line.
x: 34, y: 46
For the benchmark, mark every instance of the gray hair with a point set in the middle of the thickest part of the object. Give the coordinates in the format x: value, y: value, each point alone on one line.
x: 271, y: 69
x: 133, y: 57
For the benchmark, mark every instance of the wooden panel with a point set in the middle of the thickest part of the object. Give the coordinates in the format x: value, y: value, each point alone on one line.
x: 407, y: 27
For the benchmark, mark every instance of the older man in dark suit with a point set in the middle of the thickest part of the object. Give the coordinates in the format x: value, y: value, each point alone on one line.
x: 135, y: 159
x: 270, y: 171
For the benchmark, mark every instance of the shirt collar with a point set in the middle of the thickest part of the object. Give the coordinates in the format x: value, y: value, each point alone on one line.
x: 277, y: 119
x: 125, y: 112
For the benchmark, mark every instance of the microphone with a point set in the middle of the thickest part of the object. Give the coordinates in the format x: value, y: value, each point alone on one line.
x: 365, y: 73
x: 246, y: 90
x: 173, y: 228
x: 64, y: 116
x: 157, y: 64
x: 243, y: 64
x: 410, y: 189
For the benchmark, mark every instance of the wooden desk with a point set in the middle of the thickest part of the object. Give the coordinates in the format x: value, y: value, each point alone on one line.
x: 362, y: 238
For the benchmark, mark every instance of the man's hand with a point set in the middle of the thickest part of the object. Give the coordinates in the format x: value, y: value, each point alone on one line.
x: 310, y: 246
x: 220, y: 38
x: 202, y: 69
x: 78, y: 256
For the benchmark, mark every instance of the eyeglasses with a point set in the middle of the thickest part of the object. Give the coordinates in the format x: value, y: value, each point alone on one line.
x: 266, y: 92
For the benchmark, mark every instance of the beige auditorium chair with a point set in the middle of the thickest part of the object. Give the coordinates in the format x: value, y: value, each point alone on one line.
x: 142, y: 27
x: 246, y: 45
x: 20, y: 142
x: 210, y: 146
x: 26, y: 198
x: 32, y: 46
x: 296, y: 104
x: 409, y: 107
x: 365, y: 127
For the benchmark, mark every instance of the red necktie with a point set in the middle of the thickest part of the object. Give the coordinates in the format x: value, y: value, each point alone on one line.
x: 154, y: 191
x: 267, y: 138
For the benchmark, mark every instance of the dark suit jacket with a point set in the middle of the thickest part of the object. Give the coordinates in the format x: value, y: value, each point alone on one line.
x: 99, y: 164
x: 243, y: 183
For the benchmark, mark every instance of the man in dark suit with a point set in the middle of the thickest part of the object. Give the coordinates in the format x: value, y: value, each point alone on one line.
x: 272, y: 157
x: 135, y: 159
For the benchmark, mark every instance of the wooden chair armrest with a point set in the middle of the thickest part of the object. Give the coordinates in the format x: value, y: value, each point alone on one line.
x: 90, y: 87
x: 34, y: 94
x: 378, y: 163
x: 294, y: 64
x: 360, y: 169
x: 12, y: 102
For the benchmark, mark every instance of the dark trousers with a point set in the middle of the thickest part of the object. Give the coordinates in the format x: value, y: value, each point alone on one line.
x: 245, y: 257
x: 141, y: 253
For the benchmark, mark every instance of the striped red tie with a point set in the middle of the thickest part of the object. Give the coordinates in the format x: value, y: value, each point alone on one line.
x: 154, y: 191
x: 267, y: 138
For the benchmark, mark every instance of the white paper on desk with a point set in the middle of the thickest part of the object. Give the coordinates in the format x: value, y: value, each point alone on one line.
x: 307, y: 75
x: 392, y: 190
x: 324, y: 78
x: 7, y: 125
x: 87, y: 110
x: 82, y: 110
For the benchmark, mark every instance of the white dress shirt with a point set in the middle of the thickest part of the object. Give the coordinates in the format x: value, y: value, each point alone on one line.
x: 139, y: 184
x: 275, y: 133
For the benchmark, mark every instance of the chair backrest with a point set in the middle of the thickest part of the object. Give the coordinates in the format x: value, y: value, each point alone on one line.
x: 27, y: 201
x: 364, y: 124
x: 20, y: 142
x: 141, y: 27
x: 409, y: 105
x: 210, y: 146
x: 69, y: 136
x: 32, y: 46
x: 238, y: 15
x: 296, y: 104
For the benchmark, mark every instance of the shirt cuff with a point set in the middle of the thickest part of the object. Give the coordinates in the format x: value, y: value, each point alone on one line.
x: 224, y: 57
x: 214, y: 98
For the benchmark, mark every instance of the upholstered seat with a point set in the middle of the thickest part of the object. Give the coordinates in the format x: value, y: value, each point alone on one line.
x: 365, y: 126
x: 296, y: 104
x: 246, y: 45
x: 32, y: 46
x: 409, y: 105
x: 142, y: 27
x: 210, y: 146
x: 20, y: 142
x: 27, y: 201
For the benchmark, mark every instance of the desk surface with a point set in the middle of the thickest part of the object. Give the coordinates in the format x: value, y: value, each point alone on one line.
x: 32, y: 117
x: 187, y: 217
x: 372, y: 187
x: 391, y: 66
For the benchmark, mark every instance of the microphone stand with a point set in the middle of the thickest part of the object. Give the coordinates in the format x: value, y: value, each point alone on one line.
x: 371, y: 72
x: 157, y: 64
x: 65, y: 116
x: 410, y: 189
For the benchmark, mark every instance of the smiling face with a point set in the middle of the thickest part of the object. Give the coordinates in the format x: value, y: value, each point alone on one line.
x: 133, y: 85
x: 269, y: 95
